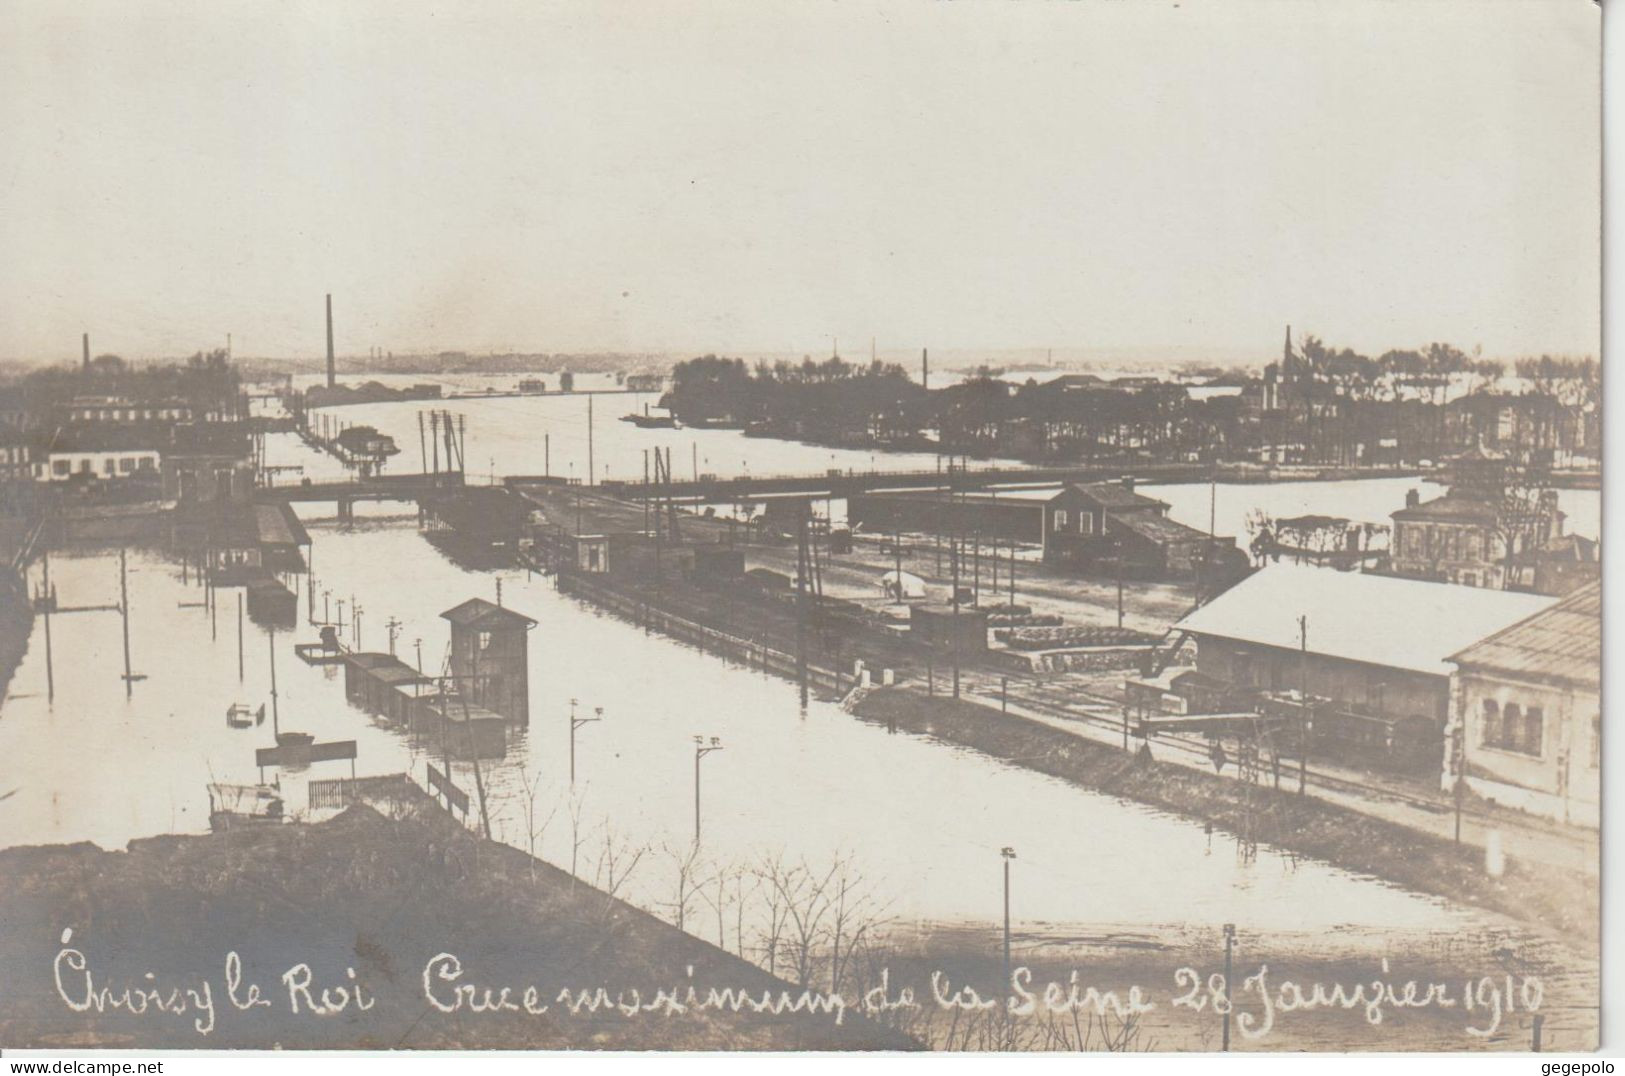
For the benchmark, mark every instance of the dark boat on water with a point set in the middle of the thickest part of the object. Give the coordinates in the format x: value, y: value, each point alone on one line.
x: 650, y: 422
x: 239, y: 716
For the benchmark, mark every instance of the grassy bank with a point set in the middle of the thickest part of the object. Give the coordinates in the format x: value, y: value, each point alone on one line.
x: 1566, y: 902
x: 380, y: 896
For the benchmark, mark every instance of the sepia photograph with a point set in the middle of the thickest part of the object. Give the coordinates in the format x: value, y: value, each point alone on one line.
x: 881, y: 526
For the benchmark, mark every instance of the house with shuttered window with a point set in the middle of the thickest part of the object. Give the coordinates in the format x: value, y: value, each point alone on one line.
x: 1527, y: 711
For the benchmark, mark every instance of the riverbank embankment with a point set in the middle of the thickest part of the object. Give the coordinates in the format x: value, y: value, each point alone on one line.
x: 1565, y: 902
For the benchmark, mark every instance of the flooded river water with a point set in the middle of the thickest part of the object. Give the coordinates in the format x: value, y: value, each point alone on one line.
x: 919, y: 821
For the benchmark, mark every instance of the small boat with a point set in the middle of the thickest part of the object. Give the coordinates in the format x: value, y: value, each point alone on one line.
x: 239, y: 806
x: 647, y: 421
x: 239, y: 716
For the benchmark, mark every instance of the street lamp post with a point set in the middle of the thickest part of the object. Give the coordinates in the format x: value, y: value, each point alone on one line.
x: 701, y: 748
x: 575, y: 723
x: 1229, y: 949
x: 1007, y: 854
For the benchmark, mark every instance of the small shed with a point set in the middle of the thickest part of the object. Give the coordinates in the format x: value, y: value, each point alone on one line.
x: 490, y: 657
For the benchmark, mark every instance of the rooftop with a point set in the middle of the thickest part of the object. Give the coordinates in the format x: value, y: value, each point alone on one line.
x: 1452, y: 506
x: 1116, y: 495
x: 1561, y: 644
x: 1159, y: 528
x: 1377, y: 619
x: 478, y: 611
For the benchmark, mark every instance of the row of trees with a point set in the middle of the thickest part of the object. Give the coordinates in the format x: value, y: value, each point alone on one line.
x: 207, y: 381
x: 1332, y: 400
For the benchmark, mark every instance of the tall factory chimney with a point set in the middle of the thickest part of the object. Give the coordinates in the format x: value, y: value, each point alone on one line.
x: 330, y: 378
x: 86, y: 341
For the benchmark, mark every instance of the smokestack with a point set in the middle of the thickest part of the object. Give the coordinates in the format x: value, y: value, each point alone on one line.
x: 330, y: 377
x: 86, y: 342
x: 925, y: 368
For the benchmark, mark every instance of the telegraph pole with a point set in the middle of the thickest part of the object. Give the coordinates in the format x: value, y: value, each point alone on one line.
x: 1229, y: 948
x: 1303, y: 690
x: 701, y: 749
x: 50, y: 600
x: 598, y: 715
x: 239, y: 636
x: 590, y: 479
x: 124, y: 614
x: 1007, y: 854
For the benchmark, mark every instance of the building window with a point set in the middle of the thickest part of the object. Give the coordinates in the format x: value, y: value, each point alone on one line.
x: 1086, y: 523
x: 109, y: 466
x: 1060, y: 519
x: 485, y: 640
x: 84, y: 467
x: 61, y: 468
x: 147, y: 463
x: 1490, y: 729
x: 1519, y: 729
x: 1533, y: 732
x: 126, y: 465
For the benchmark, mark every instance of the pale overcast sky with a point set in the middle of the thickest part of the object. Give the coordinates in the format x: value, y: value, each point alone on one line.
x: 763, y: 176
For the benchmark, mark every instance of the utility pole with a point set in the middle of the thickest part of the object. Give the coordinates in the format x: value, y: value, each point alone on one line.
x: 393, y: 627
x: 50, y: 600
x: 276, y: 712
x: 1303, y: 716
x: 598, y: 715
x: 124, y: 614
x: 897, y: 549
x: 423, y: 451
x: 239, y: 636
x: 701, y: 749
x: 1229, y: 987
x: 1118, y: 560
x: 1007, y: 854
x: 590, y: 479
x: 547, y: 454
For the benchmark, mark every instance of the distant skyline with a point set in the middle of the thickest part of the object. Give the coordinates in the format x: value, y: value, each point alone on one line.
x: 758, y: 178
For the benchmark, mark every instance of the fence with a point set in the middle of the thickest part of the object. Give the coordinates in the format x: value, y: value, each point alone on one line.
x: 339, y: 792
x: 747, y: 651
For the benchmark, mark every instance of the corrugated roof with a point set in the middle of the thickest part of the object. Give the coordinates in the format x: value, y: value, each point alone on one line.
x: 1378, y: 619
x: 1562, y: 643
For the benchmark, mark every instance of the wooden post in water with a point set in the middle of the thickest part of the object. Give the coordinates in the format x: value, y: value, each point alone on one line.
x: 124, y: 614
x: 276, y: 716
